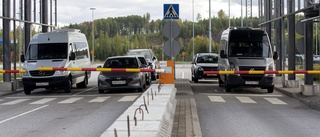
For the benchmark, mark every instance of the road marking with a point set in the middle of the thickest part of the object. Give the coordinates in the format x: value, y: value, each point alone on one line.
x: 276, y: 101
x: 245, y: 100
x: 83, y: 91
x: 15, y: 102
x: 127, y: 98
x: 70, y: 100
x: 216, y: 99
x: 99, y: 99
x: 43, y: 101
x: 3, y: 121
x: 249, y: 95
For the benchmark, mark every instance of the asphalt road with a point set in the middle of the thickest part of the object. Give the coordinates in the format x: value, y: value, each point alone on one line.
x: 250, y: 112
x: 52, y: 113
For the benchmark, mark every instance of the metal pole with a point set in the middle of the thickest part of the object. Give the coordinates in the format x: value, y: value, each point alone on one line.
x: 192, y: 28
x: 6, y: 40
x: 229, y: 13
x: 20, y: 31
x: 241, y: 15
x: 209, y: 26
x: 55, y: 13
x: 92, y: 9
x: 14, y: 43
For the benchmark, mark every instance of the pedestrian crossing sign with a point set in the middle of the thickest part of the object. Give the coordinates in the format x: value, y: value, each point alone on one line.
x: 171, y: 11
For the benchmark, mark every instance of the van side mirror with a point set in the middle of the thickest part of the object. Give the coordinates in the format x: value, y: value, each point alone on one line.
x: 22, y: 59
x: 222, y: 54
x: 275, y: 55
x: 154, y: 58
x: 99, y: 66
x: 72, y: 56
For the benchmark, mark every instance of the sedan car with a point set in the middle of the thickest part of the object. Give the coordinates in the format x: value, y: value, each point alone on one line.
x: 150, y: 57
x: 121, y: 80
x: 146, y: 65
x: 204, y: 62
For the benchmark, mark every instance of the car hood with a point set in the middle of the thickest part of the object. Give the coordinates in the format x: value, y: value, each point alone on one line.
x: 208, y: 64
x: 34, y: 65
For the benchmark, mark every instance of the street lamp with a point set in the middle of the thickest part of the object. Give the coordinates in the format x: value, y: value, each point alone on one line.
x: 92, y: 53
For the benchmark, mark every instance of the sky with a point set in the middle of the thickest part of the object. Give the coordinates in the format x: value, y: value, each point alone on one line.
x: 78, y: 11
x: 74, y: 11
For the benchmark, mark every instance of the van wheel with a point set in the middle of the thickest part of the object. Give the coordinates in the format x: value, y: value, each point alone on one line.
x: 270, y: 90
x: 84, y: 83
x: 226, y: 86
x: 140, y: 90
x: 67, y: 88
x: 196, y: 80
x: 27, y: 91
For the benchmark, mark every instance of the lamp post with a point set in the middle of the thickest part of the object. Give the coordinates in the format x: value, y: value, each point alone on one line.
x: 92, y: 26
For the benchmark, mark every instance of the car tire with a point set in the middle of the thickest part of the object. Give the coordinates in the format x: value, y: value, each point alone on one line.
x: 196, y: 80
x: 270, y: 90
x: 220, y: 81
x: 84, y: 83
x: 27, y: 91
x: 226, y: 86
x: 101, y: 91
x: 67, y: 88
x: 153, y: 76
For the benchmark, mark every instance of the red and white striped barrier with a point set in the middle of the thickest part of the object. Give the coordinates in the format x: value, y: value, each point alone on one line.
x: 265, y: 72
x: 101, y: 69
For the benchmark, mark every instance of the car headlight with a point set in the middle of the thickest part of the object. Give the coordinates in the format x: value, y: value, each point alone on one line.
x: 200, y: 69
x: 232, y: 66
x: 271, y: 66
x: 61, y: 72
x: 135, y: 76
x: 102, y: 77
x: 25, y: 73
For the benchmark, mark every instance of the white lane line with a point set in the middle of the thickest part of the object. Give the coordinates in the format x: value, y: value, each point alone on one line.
x: 216, y: 99
x: 127, y: 98
x: 3, y: 121
x: 70, y: 100
x: 98, y: 99
x: 84, y: 91
x: 15, y: 102
x: 42, y: 101
x: 276, y: 101
x: 245, y: 100
x: 249, y: 95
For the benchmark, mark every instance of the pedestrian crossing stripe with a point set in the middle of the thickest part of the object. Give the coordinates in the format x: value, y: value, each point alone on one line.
x: 274, y: 101
x: 171, y: 11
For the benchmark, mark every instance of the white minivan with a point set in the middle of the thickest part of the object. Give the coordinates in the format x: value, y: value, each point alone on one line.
x: 65, y: 48
x: 245, y: 49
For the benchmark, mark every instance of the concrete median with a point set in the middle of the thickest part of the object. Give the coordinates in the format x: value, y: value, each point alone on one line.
x: 154, y: 120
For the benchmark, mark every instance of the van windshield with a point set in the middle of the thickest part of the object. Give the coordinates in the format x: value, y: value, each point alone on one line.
x: 48, y: 51
x: 250, y: 49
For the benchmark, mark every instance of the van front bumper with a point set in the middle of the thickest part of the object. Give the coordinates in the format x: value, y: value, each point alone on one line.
x: 251, y: 80
x: 33, y: 83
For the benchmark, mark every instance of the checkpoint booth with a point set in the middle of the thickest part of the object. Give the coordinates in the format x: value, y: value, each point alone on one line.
x: 168, y: 76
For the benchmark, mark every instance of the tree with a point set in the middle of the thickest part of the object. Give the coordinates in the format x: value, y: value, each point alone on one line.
x: 222, y: 14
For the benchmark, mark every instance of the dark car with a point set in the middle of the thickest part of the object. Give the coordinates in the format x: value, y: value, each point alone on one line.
x: 150, y: 57
x: 204, y: 62
x: 121, y: 80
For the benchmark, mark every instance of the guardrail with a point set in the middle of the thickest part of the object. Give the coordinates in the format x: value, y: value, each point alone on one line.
x: 265, y: 72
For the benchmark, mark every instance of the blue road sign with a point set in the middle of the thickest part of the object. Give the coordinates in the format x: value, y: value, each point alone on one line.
x: 170, y: 11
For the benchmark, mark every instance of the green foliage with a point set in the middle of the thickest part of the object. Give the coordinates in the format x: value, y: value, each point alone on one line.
x: 316, y: 77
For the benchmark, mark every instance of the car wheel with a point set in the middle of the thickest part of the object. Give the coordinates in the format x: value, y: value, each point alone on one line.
x: 196, y: 80
x: 153, y: 76
x: 220, y: 81
x: 101, y: 91
x: 67, y: 88
x: 226, y: 86
x: 27, y: 91
x: 84, y: 83
x: 270, y: 90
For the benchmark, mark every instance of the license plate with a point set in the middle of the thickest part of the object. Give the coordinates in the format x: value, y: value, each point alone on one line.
x: 252, y: 82
x: 118, y: 82
x: 211, y: 74
x: 42, y: 84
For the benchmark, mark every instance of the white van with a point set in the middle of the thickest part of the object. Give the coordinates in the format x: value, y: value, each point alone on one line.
x: 244, y: 49
x: 65, y: 48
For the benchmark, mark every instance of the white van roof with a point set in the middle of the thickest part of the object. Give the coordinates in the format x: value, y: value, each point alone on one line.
x: 66, y: 30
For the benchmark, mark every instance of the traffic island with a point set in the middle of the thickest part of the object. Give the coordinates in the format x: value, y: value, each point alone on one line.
x: 151, y: 115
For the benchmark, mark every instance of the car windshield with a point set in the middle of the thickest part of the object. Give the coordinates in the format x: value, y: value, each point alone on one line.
x: 145, y: 53
x: 143, y: 61
x: 207, y: 59
x: 48, y: 51
x: 121, y: 63
x: 250, y: 49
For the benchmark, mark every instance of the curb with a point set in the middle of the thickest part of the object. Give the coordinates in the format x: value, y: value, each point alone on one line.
x: 195, y: 119
x: 313, y: 101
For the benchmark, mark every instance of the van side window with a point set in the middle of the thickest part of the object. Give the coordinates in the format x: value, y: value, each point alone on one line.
x: 81, y: 50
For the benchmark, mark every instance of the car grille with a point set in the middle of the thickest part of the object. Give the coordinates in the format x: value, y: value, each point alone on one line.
x: 41, y: 73
x: 252, y: 77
